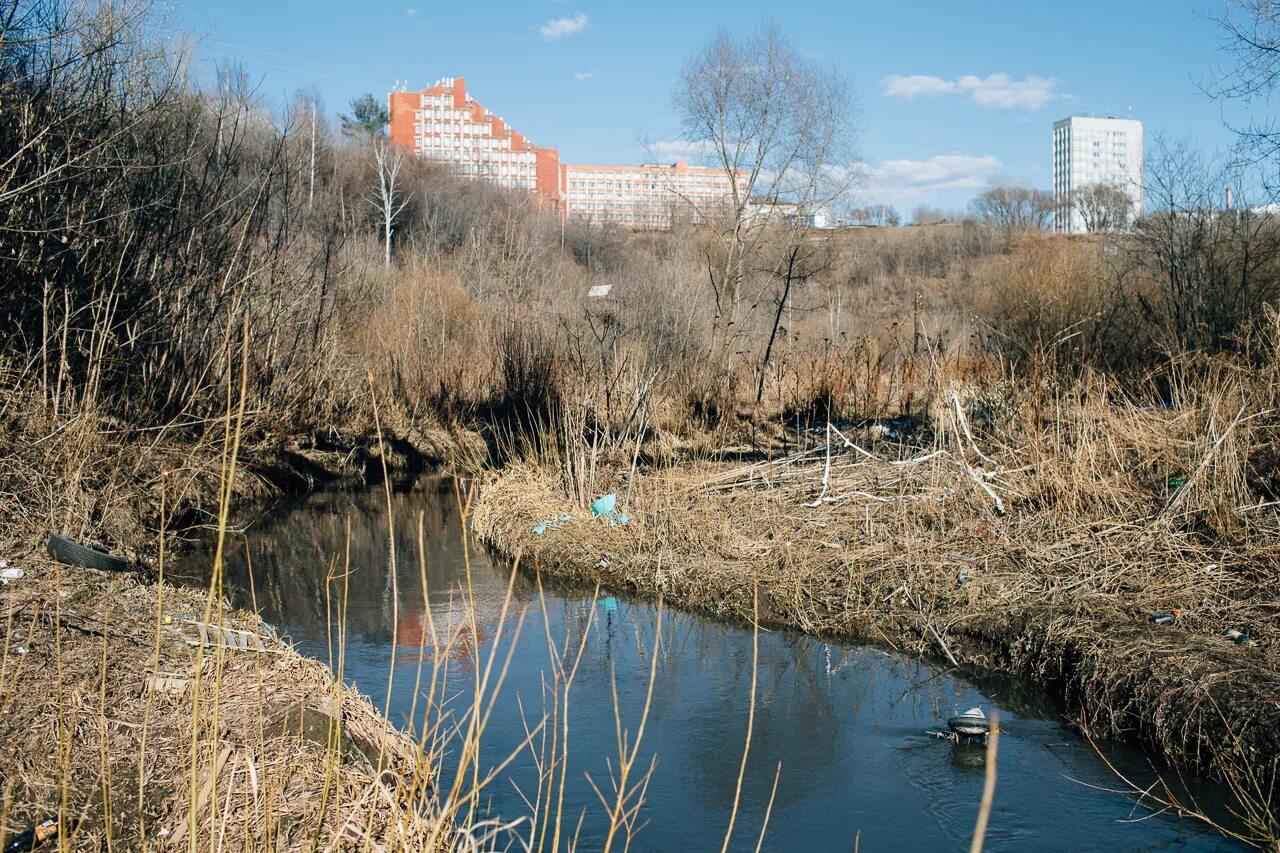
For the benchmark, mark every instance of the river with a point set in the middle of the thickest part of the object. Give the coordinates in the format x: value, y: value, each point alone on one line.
x: 848, y: 725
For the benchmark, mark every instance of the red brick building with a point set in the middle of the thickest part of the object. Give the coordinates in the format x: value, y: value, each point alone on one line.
x: 444, y: 123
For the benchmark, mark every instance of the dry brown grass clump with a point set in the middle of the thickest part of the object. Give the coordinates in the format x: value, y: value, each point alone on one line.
x: 134, y: 739
x: 1041, y: 542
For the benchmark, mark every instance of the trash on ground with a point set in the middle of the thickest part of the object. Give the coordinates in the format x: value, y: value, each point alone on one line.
x: 1165, y: 618
x: 972, y: 723
x: 64, y: 549
x: 228, y: 638
x: 963, y: 577
x: 168, y: 684
x: 7, y: 575
x: 1176, y: 482
x: 1240, y: 638
x: 599, y: 290
x: 551, y: 524
x: 605, y: 505
x: 604, y: 562
x: 32, y: 838
x: 609, y: 603
x: 4, y: 564
x: 22, y: 650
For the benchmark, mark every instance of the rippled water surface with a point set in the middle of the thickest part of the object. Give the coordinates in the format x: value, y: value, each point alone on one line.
x: 848, y: 724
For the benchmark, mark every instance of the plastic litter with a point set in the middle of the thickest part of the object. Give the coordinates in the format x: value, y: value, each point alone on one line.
x: 228, y: 638
x: 972, y: 723
x: 550, y: 524
x: 963, y: 577
x: 609, y: 603
x: 1176, y: 482
x: 32, y: 838
x: 169, y: 685
x: 22, y: 650
x: 1165, y: 618
x: 605, y: 506
x: 1240, y: 638
x: 7, y: 575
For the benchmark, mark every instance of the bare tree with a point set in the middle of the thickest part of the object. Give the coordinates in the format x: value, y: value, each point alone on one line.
x: 386, y: 197
x: 1214, y: 269
x: 1251, y: 37
x: 781, y: 126
x: 1014, y: 208
x: 925, y: 215
x: 1102, y: 207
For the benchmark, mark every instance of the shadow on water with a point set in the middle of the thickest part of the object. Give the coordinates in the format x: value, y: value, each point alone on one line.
x: 848, y: 724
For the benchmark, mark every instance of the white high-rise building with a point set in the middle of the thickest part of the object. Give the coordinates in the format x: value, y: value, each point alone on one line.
x: 1087, y: 151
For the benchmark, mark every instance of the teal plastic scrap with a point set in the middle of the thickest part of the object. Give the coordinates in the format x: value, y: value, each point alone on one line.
x: 605, y: 506
x: 550, y: 524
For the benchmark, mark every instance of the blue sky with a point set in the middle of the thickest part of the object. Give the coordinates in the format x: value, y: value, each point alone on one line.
x: 953, y: 96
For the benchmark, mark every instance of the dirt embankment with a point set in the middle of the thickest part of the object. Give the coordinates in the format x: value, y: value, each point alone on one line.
x: 913, y: 553
x: 117, y: 722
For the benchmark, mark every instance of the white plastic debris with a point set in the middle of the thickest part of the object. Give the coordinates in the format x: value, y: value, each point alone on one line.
x: 9, y: 574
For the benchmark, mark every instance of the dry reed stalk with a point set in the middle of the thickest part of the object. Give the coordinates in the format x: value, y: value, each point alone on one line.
x: 988, y: 787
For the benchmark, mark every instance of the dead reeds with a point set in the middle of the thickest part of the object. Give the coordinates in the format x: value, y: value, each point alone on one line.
x: 1038, y: 535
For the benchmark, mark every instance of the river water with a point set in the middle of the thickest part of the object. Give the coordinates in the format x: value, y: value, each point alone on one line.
x: 848, y: 725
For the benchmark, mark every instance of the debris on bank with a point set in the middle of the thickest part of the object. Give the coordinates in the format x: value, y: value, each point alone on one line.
x: 1014, y: 585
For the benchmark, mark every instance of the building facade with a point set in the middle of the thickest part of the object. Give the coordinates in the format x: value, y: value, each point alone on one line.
x: 443, y: 122
x: 1088, y: 151
x: 651, y: 197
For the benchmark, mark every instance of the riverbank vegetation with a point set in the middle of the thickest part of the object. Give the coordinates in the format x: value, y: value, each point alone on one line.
x: 1001, y: 446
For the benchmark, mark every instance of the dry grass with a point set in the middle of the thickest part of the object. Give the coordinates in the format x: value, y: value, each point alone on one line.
x: 1041, y: 544
x: 85, y: 739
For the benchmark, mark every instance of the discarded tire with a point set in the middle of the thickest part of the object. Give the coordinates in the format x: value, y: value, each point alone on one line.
x: 64, y: 549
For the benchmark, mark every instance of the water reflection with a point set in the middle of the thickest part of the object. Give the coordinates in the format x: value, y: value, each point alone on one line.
x: 848, y: 724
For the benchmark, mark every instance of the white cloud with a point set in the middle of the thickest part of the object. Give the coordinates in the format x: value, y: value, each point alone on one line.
x: 996, y: 91
x: 916, y: 86
x: 908, y: 182
x: 1002, y: 92
x: 558, y: 28
x: 584, y: 75
x: 669, y: 150
x: 410, y: 12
